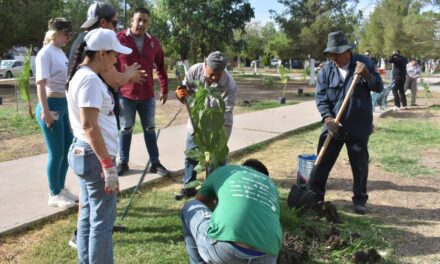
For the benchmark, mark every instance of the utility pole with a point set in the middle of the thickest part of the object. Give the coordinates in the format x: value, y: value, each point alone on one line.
x: 125, y: 14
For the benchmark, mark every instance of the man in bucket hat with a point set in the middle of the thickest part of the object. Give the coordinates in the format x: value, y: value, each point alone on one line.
x: 356, y: 123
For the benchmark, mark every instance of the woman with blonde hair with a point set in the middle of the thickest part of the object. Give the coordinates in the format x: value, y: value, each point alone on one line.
x: 51, y: 111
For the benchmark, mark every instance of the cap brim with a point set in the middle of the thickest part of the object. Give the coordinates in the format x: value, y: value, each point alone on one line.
x: 339, y: 49
x: 122, y: 49
x: 89, y: 23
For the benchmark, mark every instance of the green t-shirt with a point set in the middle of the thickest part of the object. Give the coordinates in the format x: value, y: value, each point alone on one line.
x: 248, y: 209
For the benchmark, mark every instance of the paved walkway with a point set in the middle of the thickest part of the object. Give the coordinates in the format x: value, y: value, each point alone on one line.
x: 23, y: 182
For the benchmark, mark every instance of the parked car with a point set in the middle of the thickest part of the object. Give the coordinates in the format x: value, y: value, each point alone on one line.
x: 274, y: 63
x: 297, y: 64
x: 11, y: 68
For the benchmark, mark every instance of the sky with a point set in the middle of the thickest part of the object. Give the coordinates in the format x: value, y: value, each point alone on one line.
x: 262, y: 7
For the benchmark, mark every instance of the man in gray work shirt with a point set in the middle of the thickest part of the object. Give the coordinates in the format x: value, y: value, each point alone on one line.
x: 210, y: 73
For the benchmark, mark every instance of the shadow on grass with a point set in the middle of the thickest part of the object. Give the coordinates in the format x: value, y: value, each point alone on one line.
x: 375, y: 185
x: 410, y: 243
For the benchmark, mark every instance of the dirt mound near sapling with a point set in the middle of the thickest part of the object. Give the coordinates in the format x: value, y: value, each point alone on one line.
x: 334, y: 240
x: 362, y: 257
x: 329, y: 211
x: 293, y: 250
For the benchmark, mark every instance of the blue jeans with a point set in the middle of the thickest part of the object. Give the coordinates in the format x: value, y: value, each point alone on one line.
x: 190, y: 173
x: 98, y: 209
x: 146, y: 110
x: 201, y: 249
x: 58, y: 138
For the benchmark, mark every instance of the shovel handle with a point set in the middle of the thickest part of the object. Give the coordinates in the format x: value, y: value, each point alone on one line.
x: 338, y: 117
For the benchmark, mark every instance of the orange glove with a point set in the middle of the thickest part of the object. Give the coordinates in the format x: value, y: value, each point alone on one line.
x: 181, y: 92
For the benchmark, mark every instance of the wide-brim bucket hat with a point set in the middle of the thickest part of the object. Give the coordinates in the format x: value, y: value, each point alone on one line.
x: 337, y: 43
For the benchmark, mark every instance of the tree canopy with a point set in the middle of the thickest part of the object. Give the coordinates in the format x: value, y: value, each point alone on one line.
x: 199, y: 27
x: 401, y: 25
x: 190, y: 29
x: 307, y: 23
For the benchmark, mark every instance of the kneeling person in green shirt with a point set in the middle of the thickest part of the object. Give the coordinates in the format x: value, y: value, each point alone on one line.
x: 245, y: 224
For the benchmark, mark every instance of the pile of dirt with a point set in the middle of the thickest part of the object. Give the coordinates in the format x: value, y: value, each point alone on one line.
x: 293, y: 250
x: 329, y: 211
x: 362, y: 257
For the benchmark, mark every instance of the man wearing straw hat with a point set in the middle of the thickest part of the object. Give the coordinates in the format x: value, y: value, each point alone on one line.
x: 356, y: 123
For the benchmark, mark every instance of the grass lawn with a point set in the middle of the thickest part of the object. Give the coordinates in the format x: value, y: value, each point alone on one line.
x: 154, y: 229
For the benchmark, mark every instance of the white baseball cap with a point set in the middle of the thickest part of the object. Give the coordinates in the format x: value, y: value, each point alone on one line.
x: 102, y: 39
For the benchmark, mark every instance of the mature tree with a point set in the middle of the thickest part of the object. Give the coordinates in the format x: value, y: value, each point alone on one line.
x: 308, y: 22
x: 254, y: 47
x: 199, y: 27
x: 19, y: 28
x: 400, y: 24
x: 276, y: 43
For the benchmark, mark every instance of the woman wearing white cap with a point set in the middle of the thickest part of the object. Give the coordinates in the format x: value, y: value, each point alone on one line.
x: 95, y: 144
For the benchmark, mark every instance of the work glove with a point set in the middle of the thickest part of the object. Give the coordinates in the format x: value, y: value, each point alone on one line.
x: 332, y: 126
x: 181, y: 93
x: 110, y: 175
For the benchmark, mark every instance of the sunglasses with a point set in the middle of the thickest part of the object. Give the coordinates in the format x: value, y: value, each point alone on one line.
x: 114, y: 22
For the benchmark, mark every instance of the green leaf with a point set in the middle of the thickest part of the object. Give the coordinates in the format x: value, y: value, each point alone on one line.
x: 199, y: 167
x: 192, y: 153
x: 208, y: 115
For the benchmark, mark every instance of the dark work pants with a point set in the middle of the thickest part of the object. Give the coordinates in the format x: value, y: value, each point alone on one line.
x: 358, y: 155
x: 399, y: 92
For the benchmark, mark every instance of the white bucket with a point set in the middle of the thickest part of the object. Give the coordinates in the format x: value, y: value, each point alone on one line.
x: 305, y: 166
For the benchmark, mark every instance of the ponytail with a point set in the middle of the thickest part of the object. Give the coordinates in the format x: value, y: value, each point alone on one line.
x: 78, y: 57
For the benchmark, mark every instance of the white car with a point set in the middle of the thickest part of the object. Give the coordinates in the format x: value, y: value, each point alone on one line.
x: 11, y: 68
x: 275, y: 63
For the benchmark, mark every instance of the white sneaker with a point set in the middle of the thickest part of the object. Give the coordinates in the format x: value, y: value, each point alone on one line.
x: 395, y: 108
x: 60, y: 201
x: 69, y: 195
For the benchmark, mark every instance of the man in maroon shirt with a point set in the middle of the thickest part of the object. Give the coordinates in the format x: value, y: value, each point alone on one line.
x: 139, y: 97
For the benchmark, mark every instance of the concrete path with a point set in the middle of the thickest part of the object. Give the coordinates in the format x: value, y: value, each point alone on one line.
x: 23, y: 183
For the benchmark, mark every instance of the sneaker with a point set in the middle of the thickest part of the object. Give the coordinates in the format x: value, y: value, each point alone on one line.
x: 72, y: 241
x: 395, y: 108
x: 60, y: 201
x: 121, y: 169
x: 69, y: 195
x: 159, y: 169
x: 185, y: 193
x: 359, y: 209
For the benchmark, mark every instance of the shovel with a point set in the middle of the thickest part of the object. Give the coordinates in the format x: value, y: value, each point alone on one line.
x: 299, y: 196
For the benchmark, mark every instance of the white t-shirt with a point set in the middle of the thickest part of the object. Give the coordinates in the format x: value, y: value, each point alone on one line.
x: 343, y: 71
x: 51, y: 65
x: 86, y: 89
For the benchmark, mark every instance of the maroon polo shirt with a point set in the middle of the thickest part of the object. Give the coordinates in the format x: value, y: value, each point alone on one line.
x: 151, y: 57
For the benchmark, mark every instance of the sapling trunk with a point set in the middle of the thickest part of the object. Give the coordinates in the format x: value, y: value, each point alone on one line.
x: 284, y: 79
